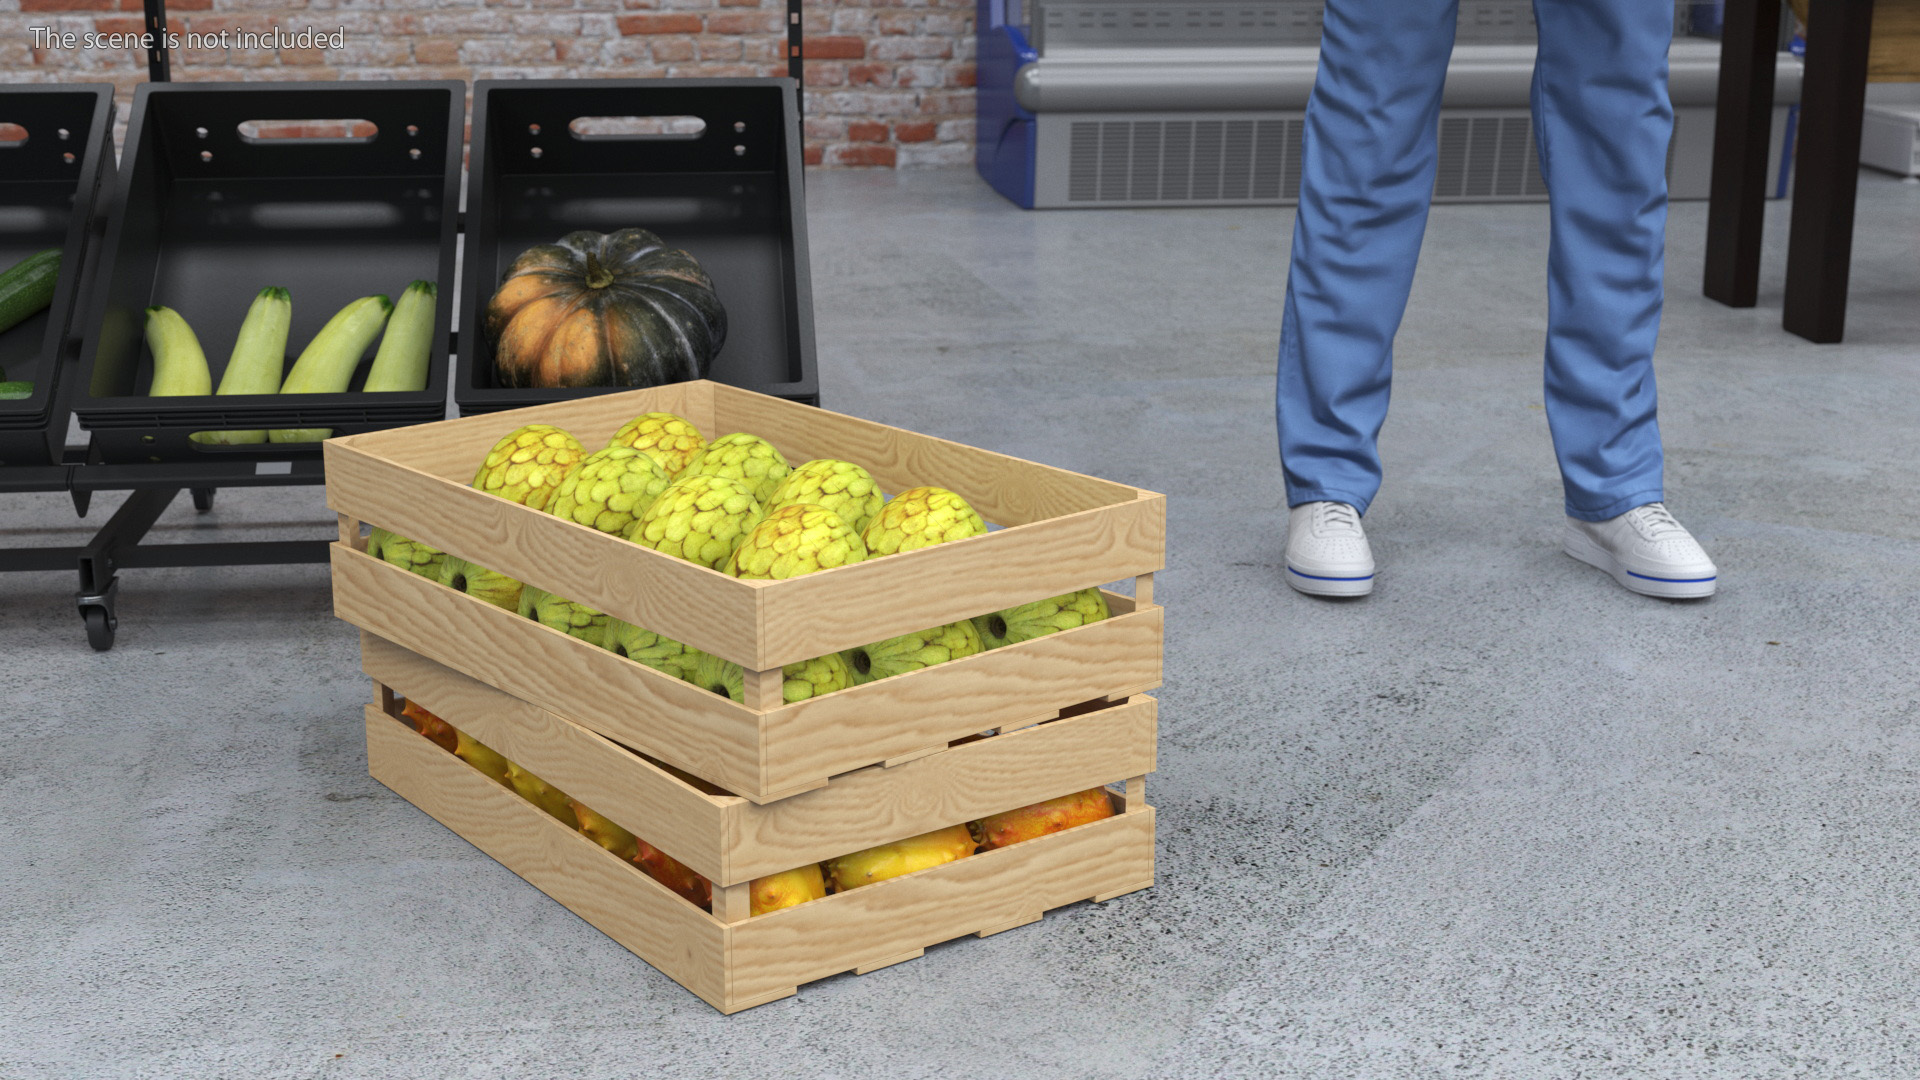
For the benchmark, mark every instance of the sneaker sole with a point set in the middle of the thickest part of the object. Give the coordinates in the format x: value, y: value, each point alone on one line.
x: 1577, y: 545
x: 1318, y: 585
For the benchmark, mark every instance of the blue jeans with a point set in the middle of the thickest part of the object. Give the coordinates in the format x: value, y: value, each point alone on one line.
x: 1602, y: 121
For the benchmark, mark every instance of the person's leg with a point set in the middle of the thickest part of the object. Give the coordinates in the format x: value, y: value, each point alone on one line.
x: 1603, y: 121
x: 1367, y: 168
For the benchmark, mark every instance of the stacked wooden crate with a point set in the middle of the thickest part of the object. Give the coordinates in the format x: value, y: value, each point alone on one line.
x: 803, y: 781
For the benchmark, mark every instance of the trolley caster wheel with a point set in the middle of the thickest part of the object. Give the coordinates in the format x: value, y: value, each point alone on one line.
x: 101, y: 624
x: 203, y: 499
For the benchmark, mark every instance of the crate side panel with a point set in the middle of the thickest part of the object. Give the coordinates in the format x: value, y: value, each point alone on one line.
x: 707, y: 735
x: 829, y: 735
x: 681, y: 941
x: 691, y: 603
x: 987, y: 891
x: 877, y: 805
x: 1005, y: 489
x: 900, y: 594
x: 615, y: 782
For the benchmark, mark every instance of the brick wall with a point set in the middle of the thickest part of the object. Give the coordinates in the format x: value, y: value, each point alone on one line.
x: 889, y: 82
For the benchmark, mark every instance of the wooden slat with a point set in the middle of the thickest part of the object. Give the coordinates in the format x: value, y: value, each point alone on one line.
x: 685, y: 943
x: 892, y: 918
x: 871, y: 601
x: 703, y: 733
x: 878, y: 805
x: 638, y: 796
x: 690, y: 603
x: 1005, y: 489
x: 829, y: 735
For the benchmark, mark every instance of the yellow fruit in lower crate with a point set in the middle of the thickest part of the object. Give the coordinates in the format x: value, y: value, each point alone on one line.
x: 937, y: 848
x: 410, y: 555
x: 528, y: 465
x: 542, y: 794
x: 579, y: 620
x: 921, y: 517
x: 668, y: 439
x: 605, y: 833
x: 1042, y: 617
x: 911, y: 652
x: 674, y: 874
x: 1042, y: 818
x: 477, y: 581
x: 806, y: 679
x: 643, y: 646
x: 788, y: 888
x: 481, y: 756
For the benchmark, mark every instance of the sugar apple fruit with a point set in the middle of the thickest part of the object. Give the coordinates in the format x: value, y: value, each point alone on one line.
x: 840, y: 486
x: 407, y: 554
x: 749, y: 459
x: 698, y: 518
x: 921, y: 517
x: 477, y: 581
x: 668, y: 439
x: 911, y: 652
x: 806, y: 679
x: 795, y: 540
x: 564, y: 615
x: 528, y: 465
x: 609, y: 489
x: 646, y: 647
x: 1041, y: 617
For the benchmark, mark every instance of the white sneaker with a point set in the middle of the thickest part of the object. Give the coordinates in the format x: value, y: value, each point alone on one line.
x: 1646, y: 550
x: 1327, y: 552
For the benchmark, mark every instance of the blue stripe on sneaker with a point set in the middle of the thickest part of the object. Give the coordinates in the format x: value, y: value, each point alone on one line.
x: 1673, y: 580
x: 1318, y: 577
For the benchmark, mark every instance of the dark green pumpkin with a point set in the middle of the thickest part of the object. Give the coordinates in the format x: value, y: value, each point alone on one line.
x: 604, y: 309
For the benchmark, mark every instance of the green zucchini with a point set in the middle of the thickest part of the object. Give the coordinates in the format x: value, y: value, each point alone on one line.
x: 326, y: 365
x: 15, y: 391
x: 179, y: 365
x: 401, y: 363
x: 259, y: 354
x: 26, y: 289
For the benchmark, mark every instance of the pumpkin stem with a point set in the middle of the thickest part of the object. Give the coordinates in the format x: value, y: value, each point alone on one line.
x: 598, y: 277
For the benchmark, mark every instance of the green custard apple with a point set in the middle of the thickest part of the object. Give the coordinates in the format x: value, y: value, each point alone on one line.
x: 796, y: 540
x: 643, y: 646
x: 609, y: 489
x: 698, y: 518
x: 528, y: 465
x: 566, y: 616
x: 407, y: 554
x: 749, y: 459
x: 921, y: 517
x: 1040, y: 618
x: 911, y: 652
x: 668, y: 439
x: 806, y: 679
x: 477, y: 581
x: 840, y: 486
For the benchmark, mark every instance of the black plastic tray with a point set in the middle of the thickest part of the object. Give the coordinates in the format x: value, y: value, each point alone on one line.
x: 48, y: 187
x: 206, y: 216
x: 732, y: 197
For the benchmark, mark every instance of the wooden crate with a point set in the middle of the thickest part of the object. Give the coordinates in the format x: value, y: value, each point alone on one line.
x: 805, y: 781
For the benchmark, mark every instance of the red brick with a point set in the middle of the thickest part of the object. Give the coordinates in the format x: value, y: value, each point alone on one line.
x: 834, y: 48
x: 811, y: 155
x: 867, y: 131
x: 66, y: 5
x: 660, y: 24
x: 436, y: 50
x: 668, y: 50
x: 914, y: 131
x: 743, y: 22
x: 967, y: 75
x: 823, y: 75
x: 120, y: 24
x: 858, y: 156
x: 870, y: 75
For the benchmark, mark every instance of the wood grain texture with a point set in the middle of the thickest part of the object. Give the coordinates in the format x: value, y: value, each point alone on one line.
x: 889, y: 919
x: 1004, y: 489
x: 1895, y: 52
x: 632, y: 792
x: 1027, y: 682
x: 683, y: 942
x: 703, y: 733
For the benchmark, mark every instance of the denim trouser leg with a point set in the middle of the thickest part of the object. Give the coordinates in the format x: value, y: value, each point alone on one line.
x: 1603, y: 121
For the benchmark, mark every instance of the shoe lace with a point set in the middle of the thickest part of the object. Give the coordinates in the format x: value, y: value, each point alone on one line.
x: 1656, y: 523
x: 1336, y: 517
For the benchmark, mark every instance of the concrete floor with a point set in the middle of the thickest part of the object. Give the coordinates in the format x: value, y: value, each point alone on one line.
x: 1502, y: 819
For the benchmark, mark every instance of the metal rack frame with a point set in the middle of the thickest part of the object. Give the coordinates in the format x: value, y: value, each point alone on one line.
x: 117, y: 545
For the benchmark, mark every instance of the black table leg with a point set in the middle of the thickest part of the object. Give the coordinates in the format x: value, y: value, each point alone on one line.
x: 1820, y: 239
x: 1742, y: 128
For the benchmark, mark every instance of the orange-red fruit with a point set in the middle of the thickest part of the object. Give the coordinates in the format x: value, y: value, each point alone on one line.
x: 1043, y: 818
x: 674, y: 874
x: 431, y: 726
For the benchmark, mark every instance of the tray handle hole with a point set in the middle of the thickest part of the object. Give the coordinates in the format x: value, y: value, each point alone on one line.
x: 199, y: 133
x: 206, y: 155
x: 12, y: 135
x: 414, y: 153
x: 413, y: 130
x: 739, y: 151
x: 536, y: 151
x: 591, y: 128
x: 67, y: 157
x: 64, y: 134
x: 345, y: 132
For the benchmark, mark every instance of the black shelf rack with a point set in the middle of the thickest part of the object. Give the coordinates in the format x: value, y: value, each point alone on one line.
x: 154, y: 485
